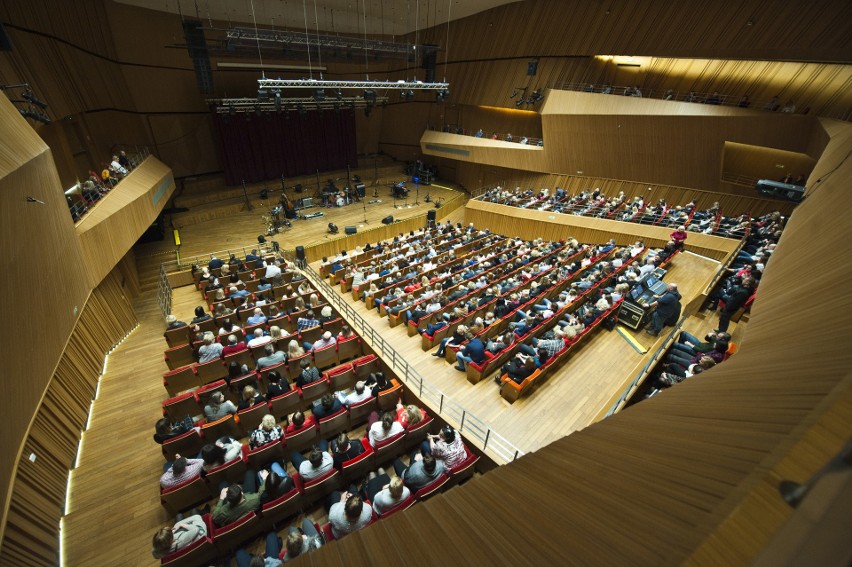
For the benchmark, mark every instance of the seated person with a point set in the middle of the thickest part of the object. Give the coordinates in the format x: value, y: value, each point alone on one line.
x: 409, y: 415
x: 327, y: 339
x: 346, y: 332
x: 165, y: 429
x: 423, y: 469
x: 258, y: 338
x: 170, y: 539
x: 234, y: 503
x: 250, y: 397
x: 358, y: 394
x: 326, y: 406
x: 309, y: 374
x: 499, y: 343
x: 271, y: 357
x: 274, y: 483
x: 217, y: 407
x: 317, y: 464
x: 173, y: 323
x: 224, y: 450
x: 234, y: 346
x: 344, y: 449
x: 447, y: 446
x: 181, y: 470
x: 300, y: 541
x: 519, y: 368
x: 256, y: 318
x: 269, y: 557
x: 385, y: 492
x: 383, y: 429
x: 276, y: 386
x: 349, y: 514
x: 456, y: 340
x: 210, y: 350
x: 200, y: 316
x: 298, y: 422
x: 378, y: 383
x: 268, y: 432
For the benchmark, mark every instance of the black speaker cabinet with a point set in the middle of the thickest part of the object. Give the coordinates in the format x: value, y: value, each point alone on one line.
x: 388, y: 220
x: 360, y: 189
x: 300, y: 253
x: 431, y: 215
x: 532, y: 68
x: 351, y: 230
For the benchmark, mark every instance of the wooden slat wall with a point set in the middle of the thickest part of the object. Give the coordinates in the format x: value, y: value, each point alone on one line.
x: 38, y: 491
x: 44, y: 280
x: 672, y: 143
x: 689, y: 476
x: 530, y: 224
x: 108, y: 232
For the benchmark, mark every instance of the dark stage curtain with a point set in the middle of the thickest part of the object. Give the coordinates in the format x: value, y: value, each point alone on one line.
x: 259, y: 148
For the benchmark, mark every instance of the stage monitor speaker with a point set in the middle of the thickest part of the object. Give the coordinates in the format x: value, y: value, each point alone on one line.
x: 350, y: 230
x: 388, y: 220
x: 360, y: 189
x: 298, y: 188
x: 532, y: 68
x: 300, y: 254
x: 264, y: 194
x: 431, y: 215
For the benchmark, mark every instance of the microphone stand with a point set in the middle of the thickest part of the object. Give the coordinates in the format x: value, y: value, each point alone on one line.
x: 245, y: 193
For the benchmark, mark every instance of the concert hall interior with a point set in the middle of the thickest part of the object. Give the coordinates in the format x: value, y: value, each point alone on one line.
x: 198, y: 195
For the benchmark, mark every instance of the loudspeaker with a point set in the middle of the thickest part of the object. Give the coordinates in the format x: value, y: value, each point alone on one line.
x: 388, y: 220
x: 298, y: 188
x: 5, y: 40
x: 264, y: 194
x: 300, y: 253
x: 532, y: 67
x: 351, y: 230
x: 360, y: 190
x: 431, y: 215
x: 429, y: 58
x: 193, y: 32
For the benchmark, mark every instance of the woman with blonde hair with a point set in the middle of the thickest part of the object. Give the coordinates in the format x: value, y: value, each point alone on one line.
x: 299, y: 304
x: 250, y: 397
x: 276, y: 333
x: 314, y: 300
x: 294, y: 349
x: 225, y: 270
x: 219, y: 295
x: 268, y: 432
x: 409, y: 415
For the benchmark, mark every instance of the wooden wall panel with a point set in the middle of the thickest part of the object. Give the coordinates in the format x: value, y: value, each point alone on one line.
x: 764, y: 163
x: 44, y: 281
x: 626, y: 138
x: 38, y: 492
x: 108, y: 232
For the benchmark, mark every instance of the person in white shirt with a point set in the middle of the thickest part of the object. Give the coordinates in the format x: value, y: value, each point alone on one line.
x: 272, y: 269
x: 117, y: 167
x: 384, y: 429
x: 259, y: 339
x: 359, y: 394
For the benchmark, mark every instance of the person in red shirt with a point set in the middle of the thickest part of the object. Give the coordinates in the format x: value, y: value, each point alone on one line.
x: 679, y: 237
x: 233, y: 346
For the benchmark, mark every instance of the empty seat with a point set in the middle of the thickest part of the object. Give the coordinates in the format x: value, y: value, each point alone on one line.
x: 225, y: 427
x: 179, y: 356
x: 180, y: 380
x: 318, y: 488
x: 249, y: 418
x: 333, y: 424
x: 348, y: 349
x: 341, y: 377
x: 230, y: 536
x: 260, y: 457
x: 187, y: 444
x: 211, y: 371
x: 325, y: 357
x: 180, y: 406
x: 285, y: 404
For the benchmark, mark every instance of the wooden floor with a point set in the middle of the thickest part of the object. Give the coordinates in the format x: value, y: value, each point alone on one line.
x: 113, y: 507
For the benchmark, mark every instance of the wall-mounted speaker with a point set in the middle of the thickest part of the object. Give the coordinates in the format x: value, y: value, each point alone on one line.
x: 532, y: 68
x: 431, y: 215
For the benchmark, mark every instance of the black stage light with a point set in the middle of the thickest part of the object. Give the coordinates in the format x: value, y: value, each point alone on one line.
x: 332, y: 228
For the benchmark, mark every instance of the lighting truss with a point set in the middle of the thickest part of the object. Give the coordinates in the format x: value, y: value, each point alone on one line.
x: 249, y: 105
x: 320, y: 84
x: 322, y: 41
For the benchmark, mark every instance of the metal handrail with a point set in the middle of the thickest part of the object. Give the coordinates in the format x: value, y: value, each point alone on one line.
x: 494, y: 136
x: 468, y: 422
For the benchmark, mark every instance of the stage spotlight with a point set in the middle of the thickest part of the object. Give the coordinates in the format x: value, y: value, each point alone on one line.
x: 332, y: 228
x: 262, y: 95
x: 441, y: 95
x: 257, y: 109
x: 231, y: 109
x: 370, y: 96
x: 319, y: 95
x: 339, y: 94
x: 277, y: 101
x: 302, y: 111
